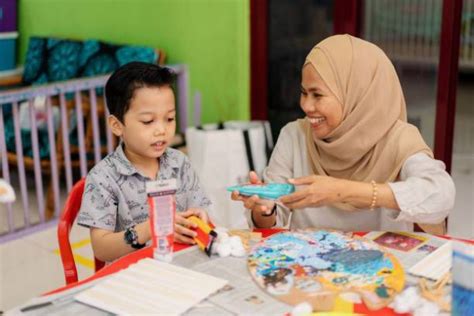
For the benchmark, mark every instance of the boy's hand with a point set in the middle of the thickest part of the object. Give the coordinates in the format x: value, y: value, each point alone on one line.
x: 183, y: 231
x: 199, y: 212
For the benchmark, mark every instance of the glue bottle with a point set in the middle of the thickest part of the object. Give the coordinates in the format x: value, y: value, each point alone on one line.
x: 162, y: 202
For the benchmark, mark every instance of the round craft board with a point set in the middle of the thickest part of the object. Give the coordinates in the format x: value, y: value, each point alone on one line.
x: 317, y: 266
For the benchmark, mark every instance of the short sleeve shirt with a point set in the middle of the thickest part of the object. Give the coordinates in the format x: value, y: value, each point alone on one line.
x: 115, y: 197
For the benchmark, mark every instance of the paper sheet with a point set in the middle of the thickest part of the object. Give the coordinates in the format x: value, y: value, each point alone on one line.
x: 151, y: 286
x: 435, y: 265
x: 409, y: 248
x: 241, y: 296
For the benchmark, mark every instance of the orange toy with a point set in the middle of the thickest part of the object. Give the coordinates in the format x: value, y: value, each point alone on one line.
x: 205, y: 234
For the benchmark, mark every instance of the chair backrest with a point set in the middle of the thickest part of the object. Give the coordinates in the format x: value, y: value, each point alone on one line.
x: 66, y: 220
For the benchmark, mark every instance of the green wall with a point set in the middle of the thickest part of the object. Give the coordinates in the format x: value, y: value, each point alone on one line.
x: 211, y: 36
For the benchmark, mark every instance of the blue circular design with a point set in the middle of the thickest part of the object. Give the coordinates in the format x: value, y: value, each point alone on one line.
x: 136, y: 53
x: 42, y: 79
x: 51, y: 42
x: 62, y: 63
x: 101, y: 64
x: 89, y: 48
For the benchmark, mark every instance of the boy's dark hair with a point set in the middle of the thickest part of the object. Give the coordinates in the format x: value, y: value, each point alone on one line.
x: 122, y: 84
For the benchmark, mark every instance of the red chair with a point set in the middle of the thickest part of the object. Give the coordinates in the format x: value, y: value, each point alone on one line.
x: 71, y: 208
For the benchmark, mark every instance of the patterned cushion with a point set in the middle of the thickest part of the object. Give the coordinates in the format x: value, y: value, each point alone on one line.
x: 54, y: 59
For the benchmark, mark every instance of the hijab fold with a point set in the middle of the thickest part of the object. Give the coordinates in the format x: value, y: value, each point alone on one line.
x: 374, y: 139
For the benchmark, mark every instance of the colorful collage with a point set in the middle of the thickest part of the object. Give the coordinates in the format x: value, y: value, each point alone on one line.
x: 317, y: 266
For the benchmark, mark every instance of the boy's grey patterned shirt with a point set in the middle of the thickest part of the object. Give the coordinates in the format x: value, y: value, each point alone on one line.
x: 115, y: 197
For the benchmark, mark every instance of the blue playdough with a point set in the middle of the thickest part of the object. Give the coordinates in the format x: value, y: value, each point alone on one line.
x: 269, y: 191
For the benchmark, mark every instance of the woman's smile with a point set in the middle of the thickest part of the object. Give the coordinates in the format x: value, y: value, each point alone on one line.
x: 316, y: 121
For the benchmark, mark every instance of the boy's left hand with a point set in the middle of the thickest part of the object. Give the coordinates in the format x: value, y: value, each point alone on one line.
x: 183, y: 231
x: 199, y: 212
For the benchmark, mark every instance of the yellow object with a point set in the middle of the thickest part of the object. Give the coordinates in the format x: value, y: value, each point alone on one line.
x: 205, y: 235
x: 80, y: 259
x: 396, y: 280
x: 341, y: 306
x: 200, y: 223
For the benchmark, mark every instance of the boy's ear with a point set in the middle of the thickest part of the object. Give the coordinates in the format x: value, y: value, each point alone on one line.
x: 115, y: 125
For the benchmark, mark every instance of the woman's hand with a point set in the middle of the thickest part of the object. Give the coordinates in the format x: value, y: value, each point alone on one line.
x: 317, y: 191
x: 183, y: 229
x: 254, y: 203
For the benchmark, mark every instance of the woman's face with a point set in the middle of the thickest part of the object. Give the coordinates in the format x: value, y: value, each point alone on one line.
x: 322, y: 108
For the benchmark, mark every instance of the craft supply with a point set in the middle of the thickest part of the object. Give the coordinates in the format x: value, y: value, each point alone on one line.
x: 205, y: 235
x: 246, y: 236
x: 237, y: 248
x: 463, y: 279
x: 238, y: 251
x: 302, y: 309
x: 226, y: 245
x: 222, y: 233
x: 435, y: 265
x: 436, y: 293
x: 151, y: 287
x: 410, y: 301
x: 400, y: 241
x: 407, y: 301
x: 317, y: 266
x: 427, y: 308
x: 223, y: 249
x: 161, y: 199
x: 269, y: 191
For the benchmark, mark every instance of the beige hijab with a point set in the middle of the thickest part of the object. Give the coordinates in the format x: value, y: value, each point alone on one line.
x: 374, y: 139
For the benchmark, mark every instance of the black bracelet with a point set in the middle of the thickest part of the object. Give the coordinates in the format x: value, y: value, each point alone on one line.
x: 274, y: 209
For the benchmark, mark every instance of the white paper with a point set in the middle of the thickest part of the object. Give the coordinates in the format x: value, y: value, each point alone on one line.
x: 151, y: 286
x: 435, y: 265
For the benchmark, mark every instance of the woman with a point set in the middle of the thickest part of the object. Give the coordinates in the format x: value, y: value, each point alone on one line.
x: 356, y: 162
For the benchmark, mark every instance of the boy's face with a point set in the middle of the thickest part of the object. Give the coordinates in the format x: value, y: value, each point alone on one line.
x: 149, y: 124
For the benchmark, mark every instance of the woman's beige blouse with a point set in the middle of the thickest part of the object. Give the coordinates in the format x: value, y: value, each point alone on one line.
x: 425, y: 192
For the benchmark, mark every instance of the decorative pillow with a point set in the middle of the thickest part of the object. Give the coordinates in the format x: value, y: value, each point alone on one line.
x: 54, y: 59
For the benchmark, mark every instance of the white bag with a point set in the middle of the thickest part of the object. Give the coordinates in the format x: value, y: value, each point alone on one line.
x: 220, y: 156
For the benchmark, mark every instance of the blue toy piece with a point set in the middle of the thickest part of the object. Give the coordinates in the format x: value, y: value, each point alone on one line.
x: 269, y: 191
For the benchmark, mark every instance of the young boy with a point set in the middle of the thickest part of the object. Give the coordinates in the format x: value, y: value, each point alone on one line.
x: 114, y: 206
